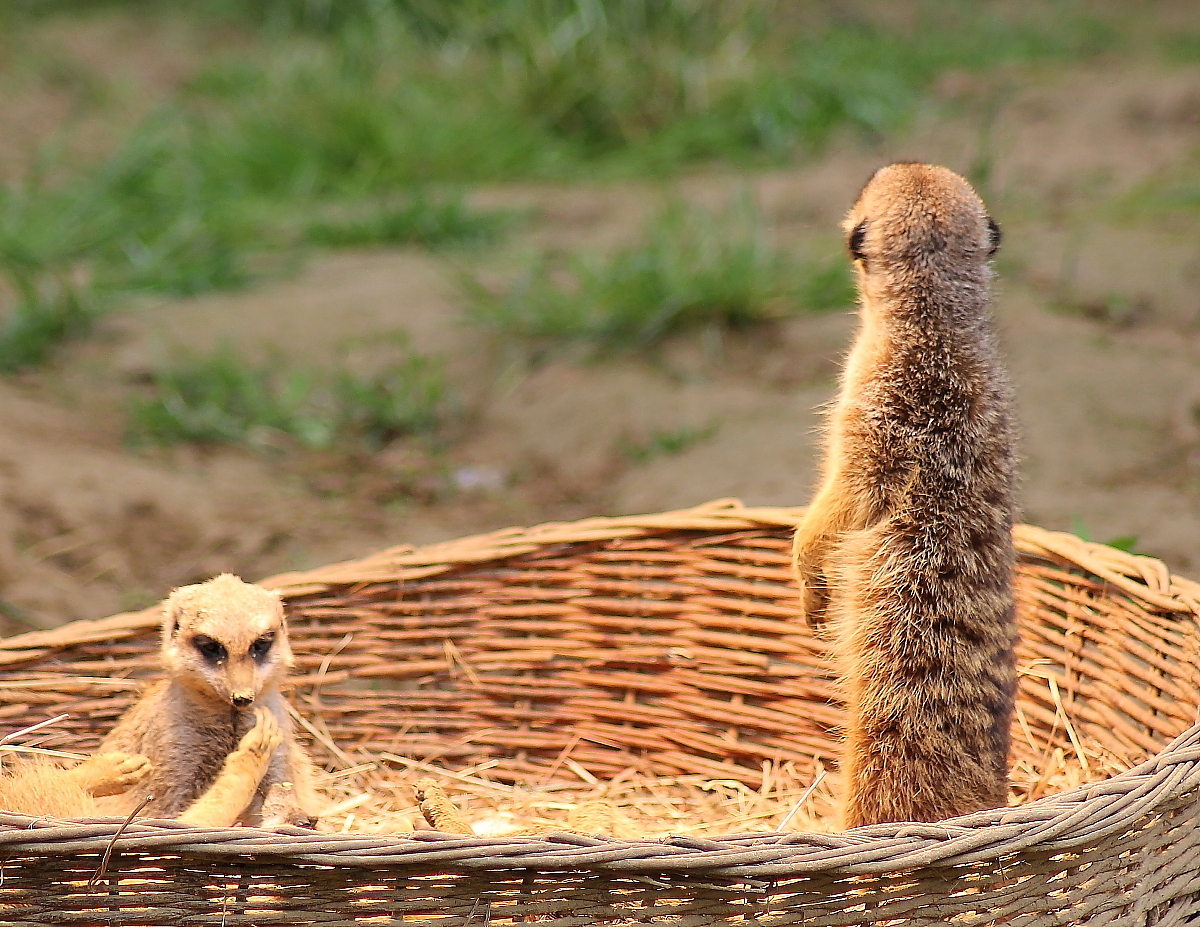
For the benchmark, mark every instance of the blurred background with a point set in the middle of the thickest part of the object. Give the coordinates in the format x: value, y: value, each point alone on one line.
x: 289, y: 281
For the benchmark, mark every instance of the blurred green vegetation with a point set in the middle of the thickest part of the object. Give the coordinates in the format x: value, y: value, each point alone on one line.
x: 1163, y: 194
x: 223, y: 398
x: 420, y: 219
x: 668, y: 442
x: 690, y: 268
x: 342, y: 109
x: 1183, y: 46
x: 1127, y: 542
x: 384, y: 93
x: 40, y: 320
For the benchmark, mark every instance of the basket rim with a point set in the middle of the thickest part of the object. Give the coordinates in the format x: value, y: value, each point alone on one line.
x: 1141, y: 577
x: 1054, y: 823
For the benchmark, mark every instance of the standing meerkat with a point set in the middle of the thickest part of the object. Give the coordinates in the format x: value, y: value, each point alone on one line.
x: 907, y: 546
x: 217, y: 729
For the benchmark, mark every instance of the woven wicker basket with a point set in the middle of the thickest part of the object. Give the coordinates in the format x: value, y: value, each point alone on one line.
x: 668, y: 640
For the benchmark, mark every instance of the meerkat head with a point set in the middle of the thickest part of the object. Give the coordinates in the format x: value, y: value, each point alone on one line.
x: 920, y: 219
x: 225, y: 639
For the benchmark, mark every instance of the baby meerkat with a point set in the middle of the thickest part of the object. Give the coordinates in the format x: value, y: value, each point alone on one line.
x: 907, y: 546
x: 217, y: 728
x: 38, y: 787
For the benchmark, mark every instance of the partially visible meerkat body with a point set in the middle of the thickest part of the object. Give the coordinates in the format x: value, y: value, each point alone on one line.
x: 217, y: 728
x: 907, y: 546
x: 39, y: 787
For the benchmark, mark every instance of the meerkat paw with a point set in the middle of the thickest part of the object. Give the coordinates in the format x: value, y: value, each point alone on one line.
x: 814, y: 597
x: 111, y: 773
x: 808, y: 555
x: 816, y: 548
x: 258, y: 743
x: 281, y: 807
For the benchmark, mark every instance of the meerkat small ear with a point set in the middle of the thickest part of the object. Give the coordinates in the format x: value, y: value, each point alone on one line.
x: 170, y: 618
x: 993, y: 236
x: 855, y: 242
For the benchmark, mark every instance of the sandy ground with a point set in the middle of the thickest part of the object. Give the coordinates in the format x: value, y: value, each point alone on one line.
x: 1109, y: 397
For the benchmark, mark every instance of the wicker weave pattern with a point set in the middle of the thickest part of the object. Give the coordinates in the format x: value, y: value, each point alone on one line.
x: 666, y: 641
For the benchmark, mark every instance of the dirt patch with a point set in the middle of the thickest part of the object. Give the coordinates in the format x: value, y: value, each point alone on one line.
x: 88, y: 80
x: 86, y: 529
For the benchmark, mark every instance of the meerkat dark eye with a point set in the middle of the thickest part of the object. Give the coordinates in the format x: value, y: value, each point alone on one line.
x: 212, y: 651
x: 855, y: 242
x: 993, y: 236
x: 261, y: 647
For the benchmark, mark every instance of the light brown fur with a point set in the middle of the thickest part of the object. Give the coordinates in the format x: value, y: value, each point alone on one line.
x: 217, y: 728
x: 907, y: 546
x: 42, y: 788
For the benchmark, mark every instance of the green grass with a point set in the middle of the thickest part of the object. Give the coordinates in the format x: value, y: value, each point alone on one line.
x: 224, y: 399
x: 379, y: 95
x: 1183, y: 47
x: 41, y: 321
x: 668, y: 443
x: 373, y: 101
x: 420, y: 220
x: 358, y: 95
x: 163, y: 216
x: 146, y: 219
x: 693, y: 268
x: 318, y: 123
x: 152, y: 216
x: 1161, y: 196
x: 1116, y: 309
x: 1126, y: 542
x: 402, y: 92
x: 408, y: 397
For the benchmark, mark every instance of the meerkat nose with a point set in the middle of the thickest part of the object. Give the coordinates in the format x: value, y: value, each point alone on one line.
x: 241, y: 701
